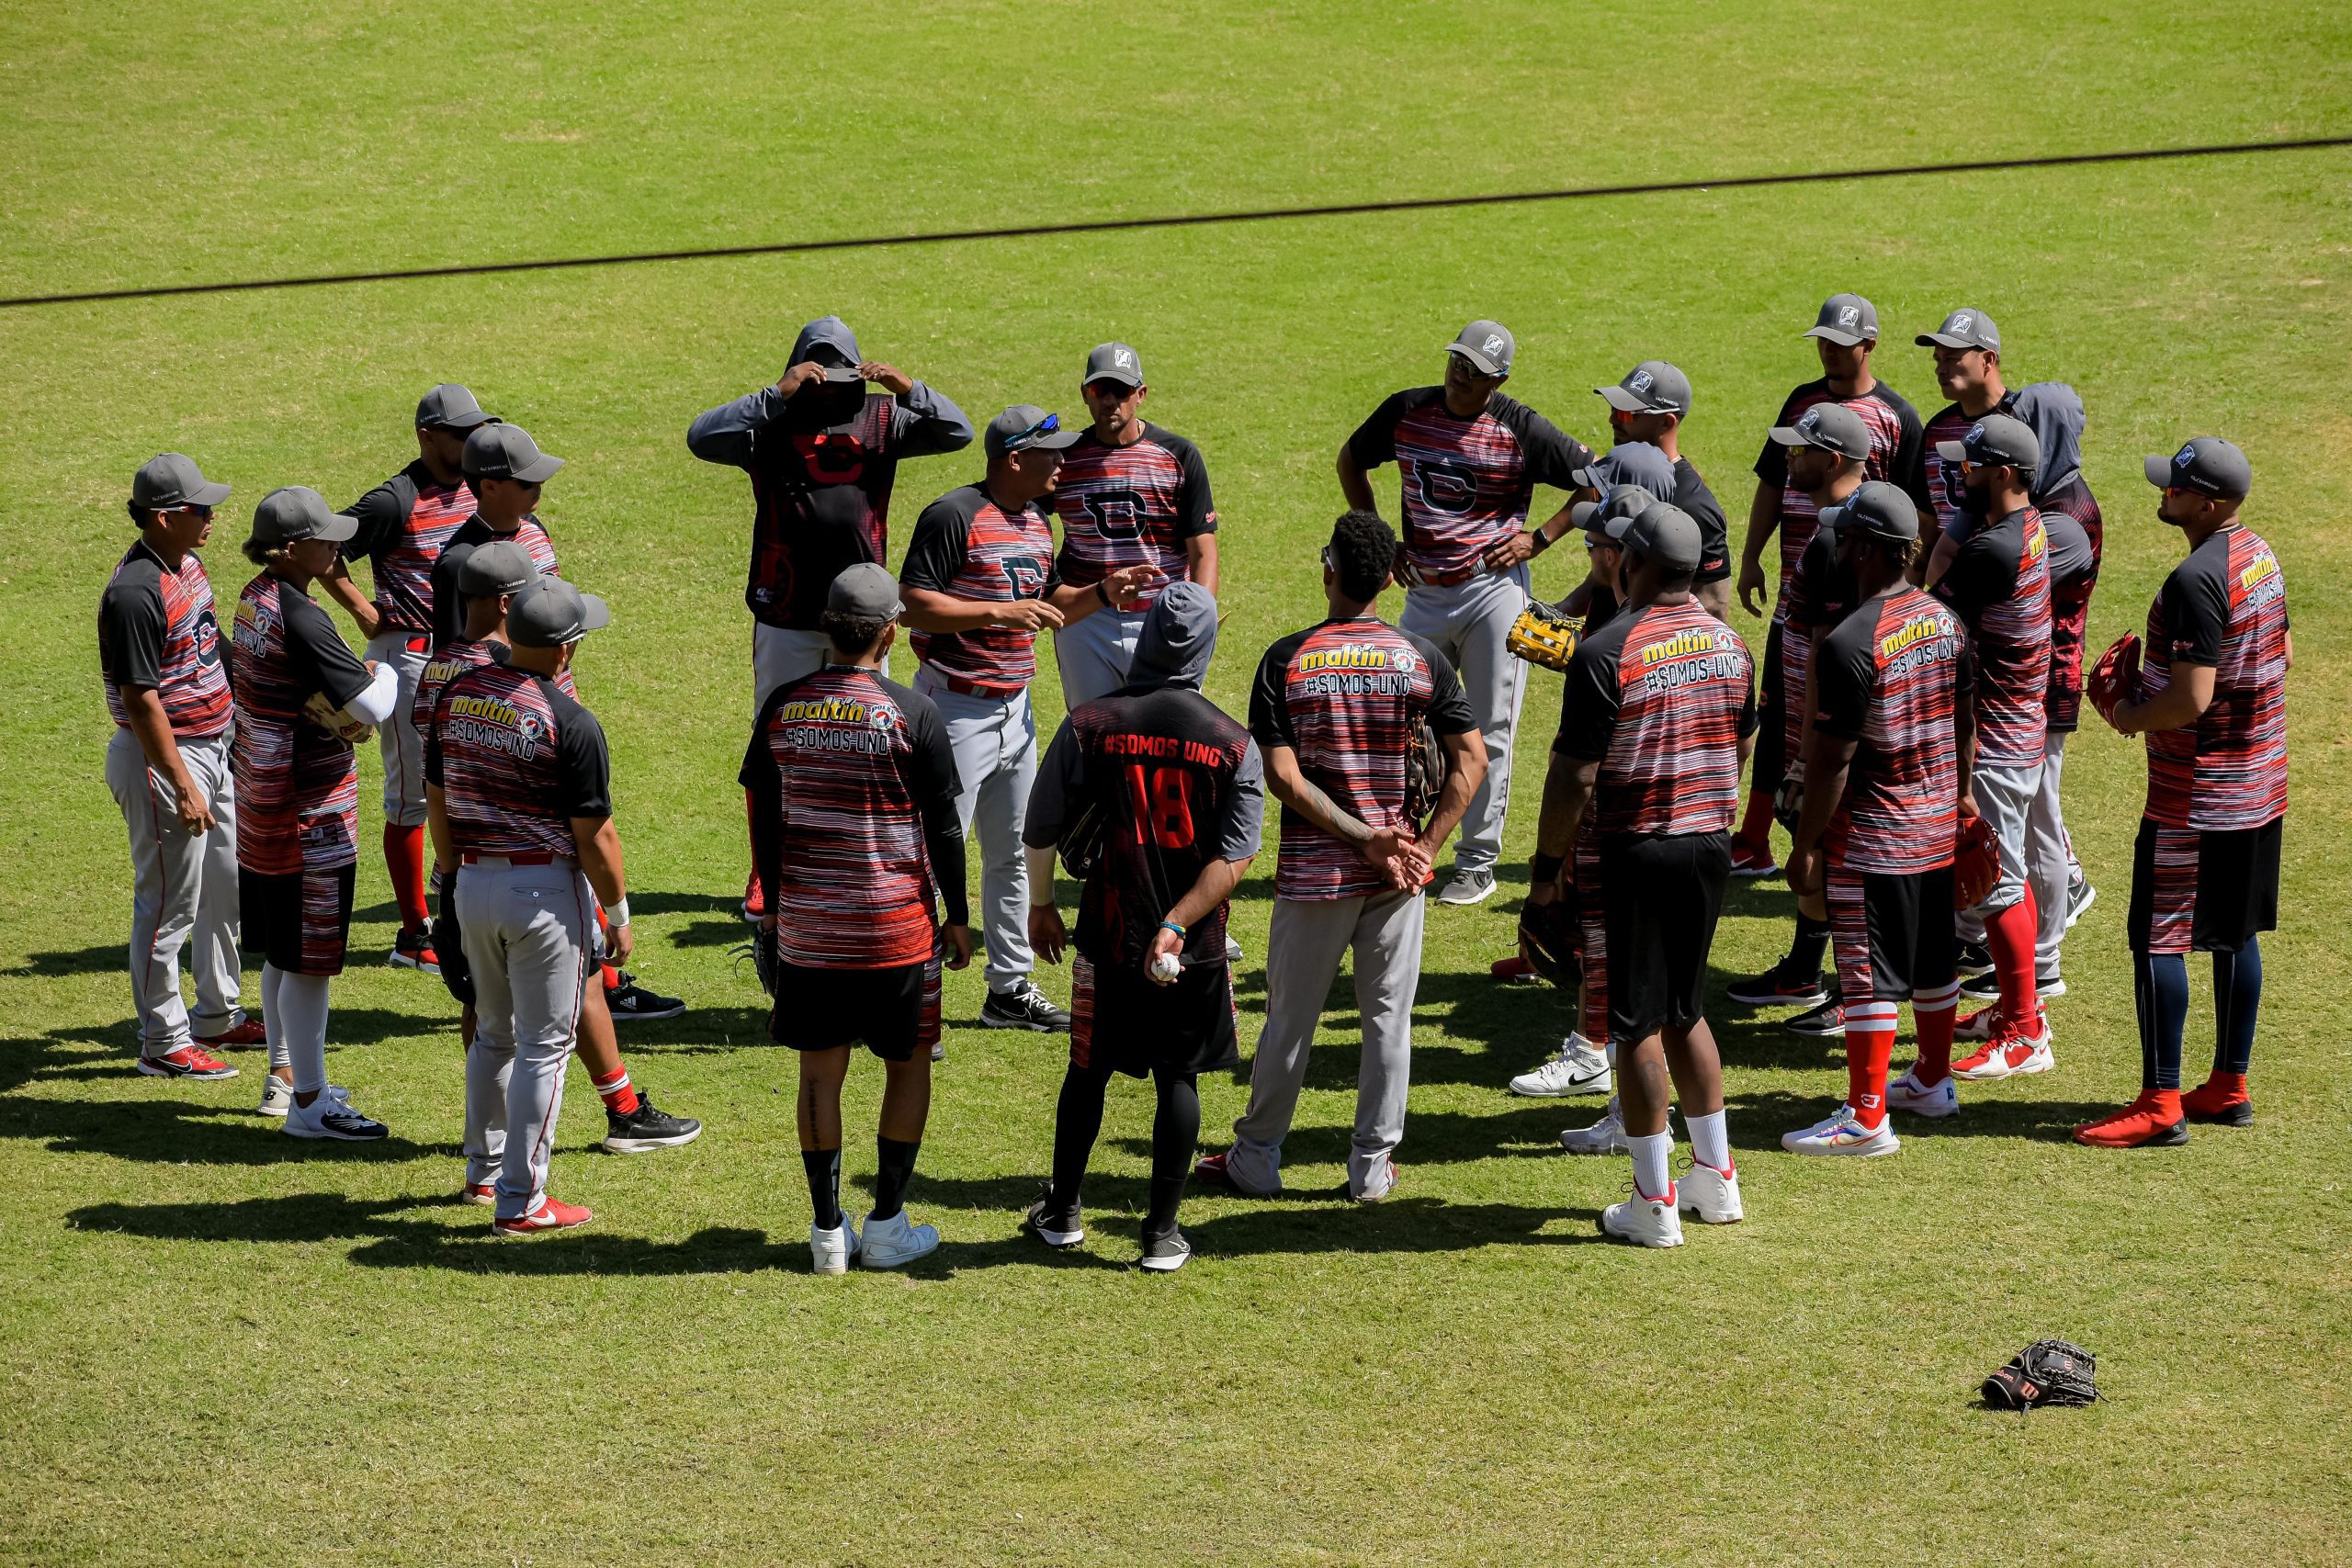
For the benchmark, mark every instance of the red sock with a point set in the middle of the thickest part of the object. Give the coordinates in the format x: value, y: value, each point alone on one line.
x: 1755, y: 823
x: 2009, y: 936
x: 1934, y: 1013
x: 615, y: 1091
x: 1870, y: 1043
x: 404, y: 858
x: 612, y: 978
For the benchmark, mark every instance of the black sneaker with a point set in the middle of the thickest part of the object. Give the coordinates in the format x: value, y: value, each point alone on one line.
x: 645, y: 1129
x: 630, y: 1000
x: 1166, y: 1254
x: 1774, y: 989
x: 1023, y: 1007
x: 414, y: 950
x: 1974, y: 958
x: 1827, y: 1021
x: 1056, y: 1227
x: 1987, y: 988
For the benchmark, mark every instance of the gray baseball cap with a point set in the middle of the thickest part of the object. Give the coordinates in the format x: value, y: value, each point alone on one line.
x: 867, y: 591
x: 549, y: 612
x: 499, y: 566
x: 1024, y: 427
x: 1880, y: 510
x: 1668, y: 535
x: 1606, y: 520
x: 1487, y: 345
x: 1651, y: 387
x: 450, y: 407
x: 298, y: 511
x: 2209, y: 465
x: 508, y: 452
x: 1629, y: 463
x: 1995, y: 441
x: 1846, y: 320
x: 1833, y: 427
x: 1963, y: 329
x: 1114, y: 362
x: 170, y: 479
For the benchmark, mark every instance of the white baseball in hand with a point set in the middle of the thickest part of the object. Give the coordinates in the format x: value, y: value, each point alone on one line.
x: 1165, y: 967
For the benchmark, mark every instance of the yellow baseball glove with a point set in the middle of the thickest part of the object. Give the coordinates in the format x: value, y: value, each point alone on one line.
x: 1541, y: 636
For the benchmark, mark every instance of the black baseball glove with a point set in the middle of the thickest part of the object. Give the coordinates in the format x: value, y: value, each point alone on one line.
x: 449, y: 942
x: 2048, y: 1371
x: 1551, y: 937
x: 1427, y: 768
x: 1081, y: 840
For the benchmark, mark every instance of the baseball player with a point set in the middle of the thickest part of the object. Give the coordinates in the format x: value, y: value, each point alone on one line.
x: 1178, y: 789
x: 167, y: 767
x: 402, y: 525
x: 1338, y: 711
x: 1660, y: 706
x: 1845, y: 334
x: 489, y: 575
x: 822, y: 453
x: 298, y: 796
x: 2211, y: 699
x: 1649, y: 406
x: 519, y: 792
x: 1887, y: 760
x: 1999, y: 586
x: 855, y: 828
x: 980, y: 583
x: 1469, y: 460
x: 1128, y: 492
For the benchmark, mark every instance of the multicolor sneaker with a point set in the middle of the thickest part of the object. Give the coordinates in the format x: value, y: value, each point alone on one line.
x: 1842, y: 1133
x: 1746, y: 860
x: 2011, y: 1053
x: 548, y: 1217
x: 1575, y: 1068
x: 414, y: 950
x: 188, y: 1062
x: 1936, y: 1100
x: 1773, y: 988
x: 1827, y: 1021
x: 250, y: 1032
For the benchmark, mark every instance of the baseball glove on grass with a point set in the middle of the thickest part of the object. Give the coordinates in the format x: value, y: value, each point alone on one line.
x: 2048, y: 1371
x: 1541, y: 636
x: 2115, y: 679
x: 1975, y: 863
x: 334, y: 721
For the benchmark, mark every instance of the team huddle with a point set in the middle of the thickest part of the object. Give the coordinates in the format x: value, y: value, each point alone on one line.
x: 1906, y: 726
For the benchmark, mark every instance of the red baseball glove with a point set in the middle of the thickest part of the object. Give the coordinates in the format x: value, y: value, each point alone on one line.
x: 1975, y: 864
x: 2115, y: 679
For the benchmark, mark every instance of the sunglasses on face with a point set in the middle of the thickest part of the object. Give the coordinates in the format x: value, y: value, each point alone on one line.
x: 202, y: 513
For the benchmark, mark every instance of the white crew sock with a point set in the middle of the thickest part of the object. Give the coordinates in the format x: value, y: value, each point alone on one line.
x: 273, y: 1026
x: 1609, y: 1050
x: 1650, y: 1153
x: 1710, y: 1141
x: 302, y: 1011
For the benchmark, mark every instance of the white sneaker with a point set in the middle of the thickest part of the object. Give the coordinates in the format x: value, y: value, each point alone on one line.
x: 1645, y: 1222
x: 830, y: 1250
x: 1711, y: 1194
x: 2009, y: 1053
x: 277, y: 1095
x: 1908, y: 1093
x: 888, y: 1243
x: 331, y: 1116
x: 1468, y: 887
x: 1840, y: 1134
x: 2030, y: 1054
x: 1576, y: 1069
x: 1606, y: 1137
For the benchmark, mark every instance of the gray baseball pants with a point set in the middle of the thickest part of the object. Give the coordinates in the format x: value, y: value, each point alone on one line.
x: 1096, y: 654
x: 1470, y: 623
x: 2048, y: 865
x: 781, y: 654
x: 403, y: 746
x: 1303, y: 953
x: 184, y: 893
x: 529, y: 933
x: 995, y: 742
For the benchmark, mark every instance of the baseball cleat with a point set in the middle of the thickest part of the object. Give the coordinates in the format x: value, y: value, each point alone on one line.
x: 2154, y: 1121
x: 1644, y: 1221
x: 645, y: 1129
x: 2218, y: 1105
x: 1468, y: 887
x: 755, y: 900
x: 1774, y: 988
x: 331, y: 1116
x: 1827, y: 1021
x: 1746, y: 860
x: 1606, y: 1137
x: 1166, y: 1254
x: 830, y: 1250
x: 1575, y: 1068
x: 250, y: 1032
x: 1056, y: 1227
x: 548, y: 1217
x: 414, y: 950
x: 188, y: 1062
x: 628, y: 1000
x: 1712, y: 1195
x: 1936, y: 1100
x: 888, y: 1243
x: 1218, y: 1168
x: 2080, y: 897
x: 1023, y: 1007
x: 482, y: 1194
x: 1842, y: 1133
x: 1512, y: 969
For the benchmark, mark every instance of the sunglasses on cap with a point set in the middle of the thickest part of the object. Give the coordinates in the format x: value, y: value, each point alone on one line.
x: 1048, y: 425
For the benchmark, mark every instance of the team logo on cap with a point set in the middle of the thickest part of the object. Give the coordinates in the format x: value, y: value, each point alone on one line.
x: 1123, y: 359
x: 1810, y: 421
x: 2186, y: 456
x: 1639, y: 381
x: 1962, y: 322
x: 1494, y: 345
x: 1975, y: 436
x: 1849, y: 316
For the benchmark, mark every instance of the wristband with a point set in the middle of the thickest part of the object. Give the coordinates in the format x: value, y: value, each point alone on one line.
x: 1171, y: 926
x: 1546, y: 868
x: 1103, y: 594
x: 1543, y: 540
x: 616, y: 915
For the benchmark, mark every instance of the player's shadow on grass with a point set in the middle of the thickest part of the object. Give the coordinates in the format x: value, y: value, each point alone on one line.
x: 1758, y: 1119
x: 183, y: 1131
x: 59, y: 964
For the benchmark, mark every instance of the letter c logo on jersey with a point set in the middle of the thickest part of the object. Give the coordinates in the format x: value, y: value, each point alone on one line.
x: 830, y: 457
x: 208, y: 638
x: 1448, y: 488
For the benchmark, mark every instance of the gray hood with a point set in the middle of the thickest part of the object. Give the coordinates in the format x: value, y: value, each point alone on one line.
x: 1178, y: 638
x: 831, y: 331
x: 2054, y: 413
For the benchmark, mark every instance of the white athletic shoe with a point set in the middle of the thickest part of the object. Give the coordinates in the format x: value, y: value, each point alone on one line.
x: 1606, y: 1137
x: 830, y: 1250
x: 1711, y: 1194
x: 1577, y: 1069
x: 1645, y: 1222
x: 1467, y: 887
x: 331, y: 1116
x: 888, y: 1243
x: 277, y: 1095
x: 1908, y: 1093
x: 1840, y: 1134
x: 2011, y: 1053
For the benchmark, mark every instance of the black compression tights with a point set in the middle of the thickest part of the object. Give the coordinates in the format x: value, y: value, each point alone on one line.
x: 1175, y: 1131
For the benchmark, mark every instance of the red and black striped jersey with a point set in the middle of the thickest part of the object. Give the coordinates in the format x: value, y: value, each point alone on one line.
x: 298, y: 785
x: 1133, y: 505
x: 1999, y: 585
x: 448, y: 603
x: 517, y: 759
x: 1942, y: 484
x: 158, y: 631
x: 1350, y: 697
x: 449, y: 661
x: 2225, y: 606
x: 2077, y: 539
x: 1661, y: 697
x: 403, y: 525
x: 968, y: 547
x: 1893, y: 425
x: 1468, y: 482
x: 853, y: 788
x: 1892, y: 677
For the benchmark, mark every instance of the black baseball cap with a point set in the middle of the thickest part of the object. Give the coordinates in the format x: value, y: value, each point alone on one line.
x: 2209, y: 465
x: 1994, y: 442
x: 170, y: 479
x: 549, y: 612
x: 1846, y: 320
x: 1651, y: 387
x: 1114, y: 362
x: 495, y: 566
x: 508, y: 452
x: 1878, y: 509
x: 1963, y: 329
x: 1833, y: 427
x: 1026, y: 427
x: 1668, y: 535
x: 298, y: 511
x: 450, y: 407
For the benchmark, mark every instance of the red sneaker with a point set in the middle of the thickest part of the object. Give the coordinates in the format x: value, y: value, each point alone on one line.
x: 2153, y: 1120
x: 1512, y: 968
x: 2219, y: 1101
x: 188, y: 1062
x: 1982, y: 1024
x: 755, y: 900
x: 249, y: 1033
x: 1746, y: 860
x: 550, y: 1215
x: 482, y: 1193
x: 414, y: 950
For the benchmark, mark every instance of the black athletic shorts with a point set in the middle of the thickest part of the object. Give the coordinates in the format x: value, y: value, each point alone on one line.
x: 1895, y: 932
x: 2199, y: 892
x: 1771, y: 762
x: 1120, y: 1020
x: 894, y: 1012
x: 1660, y: 897
x: 300, y: 921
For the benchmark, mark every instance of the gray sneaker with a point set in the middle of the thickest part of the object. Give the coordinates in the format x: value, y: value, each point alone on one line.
x: 1468, y: 887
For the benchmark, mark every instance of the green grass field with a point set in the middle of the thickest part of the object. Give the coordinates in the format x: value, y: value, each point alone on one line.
x: 217, y: 1343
